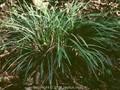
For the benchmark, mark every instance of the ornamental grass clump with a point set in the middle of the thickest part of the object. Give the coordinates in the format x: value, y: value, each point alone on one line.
x: 53, y: 43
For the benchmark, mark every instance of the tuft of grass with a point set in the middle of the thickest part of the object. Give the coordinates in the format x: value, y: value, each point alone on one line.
x: 50, y: 41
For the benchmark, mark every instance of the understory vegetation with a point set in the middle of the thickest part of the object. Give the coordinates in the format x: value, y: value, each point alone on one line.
x: 69, y: 45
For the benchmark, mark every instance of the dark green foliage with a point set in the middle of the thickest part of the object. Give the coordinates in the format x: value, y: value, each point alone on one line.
x: 61, y: 43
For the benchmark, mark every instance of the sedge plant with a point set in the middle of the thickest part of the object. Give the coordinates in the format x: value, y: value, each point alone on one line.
x: 50, y: 41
